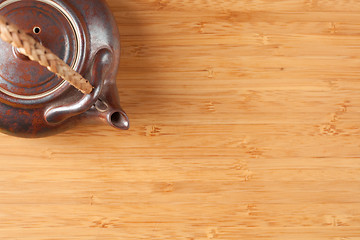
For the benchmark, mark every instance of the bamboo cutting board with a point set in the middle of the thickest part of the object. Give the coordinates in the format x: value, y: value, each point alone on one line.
x: 245, y: 125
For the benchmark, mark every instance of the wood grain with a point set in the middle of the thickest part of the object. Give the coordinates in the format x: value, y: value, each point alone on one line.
x: 245, y: 124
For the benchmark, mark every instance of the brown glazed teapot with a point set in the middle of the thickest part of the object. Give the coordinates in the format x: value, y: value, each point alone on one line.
x: 35, y: 102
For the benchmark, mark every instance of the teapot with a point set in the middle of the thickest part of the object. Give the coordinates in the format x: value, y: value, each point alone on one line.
x: 83, y: 34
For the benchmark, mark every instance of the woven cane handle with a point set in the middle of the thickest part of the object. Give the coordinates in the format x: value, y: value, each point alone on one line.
x: 31, y: 48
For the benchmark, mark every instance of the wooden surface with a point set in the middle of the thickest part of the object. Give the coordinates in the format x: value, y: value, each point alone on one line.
x: 245, y: 124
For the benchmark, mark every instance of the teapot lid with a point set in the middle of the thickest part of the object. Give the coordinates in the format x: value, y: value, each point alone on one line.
x: 57, y: 28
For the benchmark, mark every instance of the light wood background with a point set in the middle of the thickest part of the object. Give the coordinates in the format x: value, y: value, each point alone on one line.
x: 245, y: 124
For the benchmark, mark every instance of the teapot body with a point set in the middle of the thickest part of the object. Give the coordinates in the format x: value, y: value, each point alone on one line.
x: 35, y: 102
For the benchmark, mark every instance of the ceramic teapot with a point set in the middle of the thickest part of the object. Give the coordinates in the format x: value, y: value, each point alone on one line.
x: 35, y: 102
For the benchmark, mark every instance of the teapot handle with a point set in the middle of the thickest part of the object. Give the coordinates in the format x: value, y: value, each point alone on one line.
x: 99, y: 70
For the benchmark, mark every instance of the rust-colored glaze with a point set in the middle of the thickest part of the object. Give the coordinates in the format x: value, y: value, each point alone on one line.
x: 35, y: 102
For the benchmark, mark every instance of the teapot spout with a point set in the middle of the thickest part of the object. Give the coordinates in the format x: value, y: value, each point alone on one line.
x: 108, y: 107
x: 114, y: 116
x: 119, y: 119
